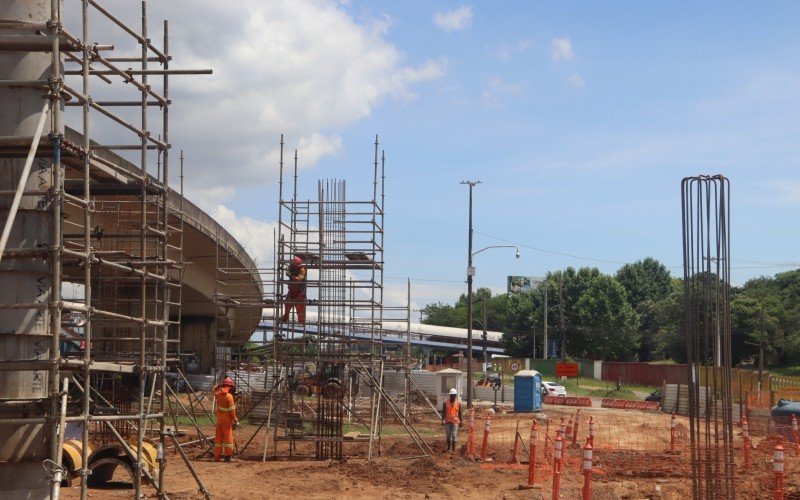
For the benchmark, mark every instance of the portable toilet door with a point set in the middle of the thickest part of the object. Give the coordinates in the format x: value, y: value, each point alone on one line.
x: 448, y: 379
x: 527, y: 391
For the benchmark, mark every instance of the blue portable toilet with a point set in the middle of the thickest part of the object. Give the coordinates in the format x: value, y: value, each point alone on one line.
x: 527, y: 391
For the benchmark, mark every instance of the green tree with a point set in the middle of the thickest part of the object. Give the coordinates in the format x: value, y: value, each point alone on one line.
x: 523, y: 315
x: 607, y: 324
x: 646, y: 282
x: 669, y: 340
x: 780, y: 298
x: 440, y: 314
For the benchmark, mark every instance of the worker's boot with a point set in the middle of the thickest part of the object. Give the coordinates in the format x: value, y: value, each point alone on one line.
x: 227, y: 459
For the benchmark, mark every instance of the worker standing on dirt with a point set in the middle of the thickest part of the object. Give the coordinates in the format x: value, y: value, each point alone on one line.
x: 452, y: 419
x: 226, y: 419
x: 297, y: 291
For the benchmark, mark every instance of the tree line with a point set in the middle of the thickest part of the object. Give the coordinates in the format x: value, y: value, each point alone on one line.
x: 635, y: 314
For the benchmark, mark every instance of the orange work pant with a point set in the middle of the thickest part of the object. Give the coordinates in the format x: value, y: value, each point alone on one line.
x: 223, y: 440
x: 296, y: 299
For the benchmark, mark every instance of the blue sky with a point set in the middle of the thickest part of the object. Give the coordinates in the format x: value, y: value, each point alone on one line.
x: 584, y: 154
x: 580, y: 119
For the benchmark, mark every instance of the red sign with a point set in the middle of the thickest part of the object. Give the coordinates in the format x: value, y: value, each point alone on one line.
x: 567, y: 370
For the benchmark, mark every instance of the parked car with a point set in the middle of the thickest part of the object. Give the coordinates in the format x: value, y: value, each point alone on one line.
x: 654, y: 396
x: 553, y: 389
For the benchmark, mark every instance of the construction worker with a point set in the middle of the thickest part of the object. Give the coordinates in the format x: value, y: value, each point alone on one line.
x: 297, y: 291
x: 226, y: 420
x: 452, y: 419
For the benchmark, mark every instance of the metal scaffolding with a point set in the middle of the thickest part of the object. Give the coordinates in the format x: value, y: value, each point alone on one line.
x: 76, y: 215
x: 340, y: 345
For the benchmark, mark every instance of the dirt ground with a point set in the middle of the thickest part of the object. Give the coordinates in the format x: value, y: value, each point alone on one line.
x: 624, y: 472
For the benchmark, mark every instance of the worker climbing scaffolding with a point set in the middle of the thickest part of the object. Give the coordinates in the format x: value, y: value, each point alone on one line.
x: 296, y: 298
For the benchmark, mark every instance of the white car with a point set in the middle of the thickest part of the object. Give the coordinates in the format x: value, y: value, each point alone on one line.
x: 553, y: 389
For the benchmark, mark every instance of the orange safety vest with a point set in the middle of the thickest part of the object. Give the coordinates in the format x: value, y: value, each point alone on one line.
x: 451, y: 411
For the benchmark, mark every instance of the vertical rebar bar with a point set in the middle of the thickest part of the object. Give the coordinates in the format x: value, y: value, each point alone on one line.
x: 706, y: 260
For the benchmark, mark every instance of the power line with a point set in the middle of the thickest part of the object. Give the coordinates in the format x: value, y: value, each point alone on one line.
x: 422, y: 279
x: 550, y: 251
x: 766, y: 264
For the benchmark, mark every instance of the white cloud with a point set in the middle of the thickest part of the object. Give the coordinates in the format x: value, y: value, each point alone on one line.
x: 783, y: 193
x: 306, y: 68
x: 454, y: 20
x: 506, y: 51
x: 503, y: 86
x: 576, y: 81
x: 496, y: 87
x: 256, y: 236
x: 561, y: 49
x: 207, y: 198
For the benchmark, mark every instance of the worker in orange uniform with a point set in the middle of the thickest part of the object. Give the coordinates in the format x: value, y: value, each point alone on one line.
x: 297, y: 291
x: 452, y: 419
x: 226, y: 420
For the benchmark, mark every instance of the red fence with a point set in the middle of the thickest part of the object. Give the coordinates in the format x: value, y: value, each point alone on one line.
x: 644, y: 373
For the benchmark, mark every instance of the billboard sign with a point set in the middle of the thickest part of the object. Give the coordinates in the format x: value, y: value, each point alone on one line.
x: 567, y: 370
x: 522, y: 284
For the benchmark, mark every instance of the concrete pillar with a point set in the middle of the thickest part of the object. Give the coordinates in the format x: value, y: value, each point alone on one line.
x: 199, y: 334
x: 24, y: 333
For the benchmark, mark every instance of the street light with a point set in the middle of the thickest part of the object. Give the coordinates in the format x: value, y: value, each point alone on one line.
x: 499, y: 246
x: 470, y: 275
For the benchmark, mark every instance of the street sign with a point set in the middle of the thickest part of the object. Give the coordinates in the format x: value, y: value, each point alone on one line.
x: 514, y: 366
x: 567, y: 370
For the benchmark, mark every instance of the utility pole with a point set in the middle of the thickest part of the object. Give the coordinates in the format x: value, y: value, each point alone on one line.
x: 485, y: 338
x: 761, y: 351
x: 470, y: 274
x: 561, y: 315
x: 544, y: 351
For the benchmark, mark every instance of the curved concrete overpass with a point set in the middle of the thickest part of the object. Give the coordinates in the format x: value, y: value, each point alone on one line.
x: 222, y: 290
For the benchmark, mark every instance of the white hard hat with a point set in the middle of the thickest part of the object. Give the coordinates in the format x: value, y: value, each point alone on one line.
x: 453, y: 392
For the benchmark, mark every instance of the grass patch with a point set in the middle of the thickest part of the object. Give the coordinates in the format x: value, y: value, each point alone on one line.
x: 586, y: 387
x: 785, y: 371
x: 184, y: 420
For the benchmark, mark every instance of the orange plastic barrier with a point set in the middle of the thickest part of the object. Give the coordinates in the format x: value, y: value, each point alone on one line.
x: 607, y: 403
x: 572, y: 401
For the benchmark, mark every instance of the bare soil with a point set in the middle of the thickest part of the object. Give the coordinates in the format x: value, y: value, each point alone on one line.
x: 638, y: 466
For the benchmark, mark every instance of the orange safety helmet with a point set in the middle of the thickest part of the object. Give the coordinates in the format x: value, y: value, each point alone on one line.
x: 228, y: 382
x: 297, y: 260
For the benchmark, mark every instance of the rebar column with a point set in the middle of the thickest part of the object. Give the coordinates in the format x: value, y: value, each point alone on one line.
x: 706, y: 281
